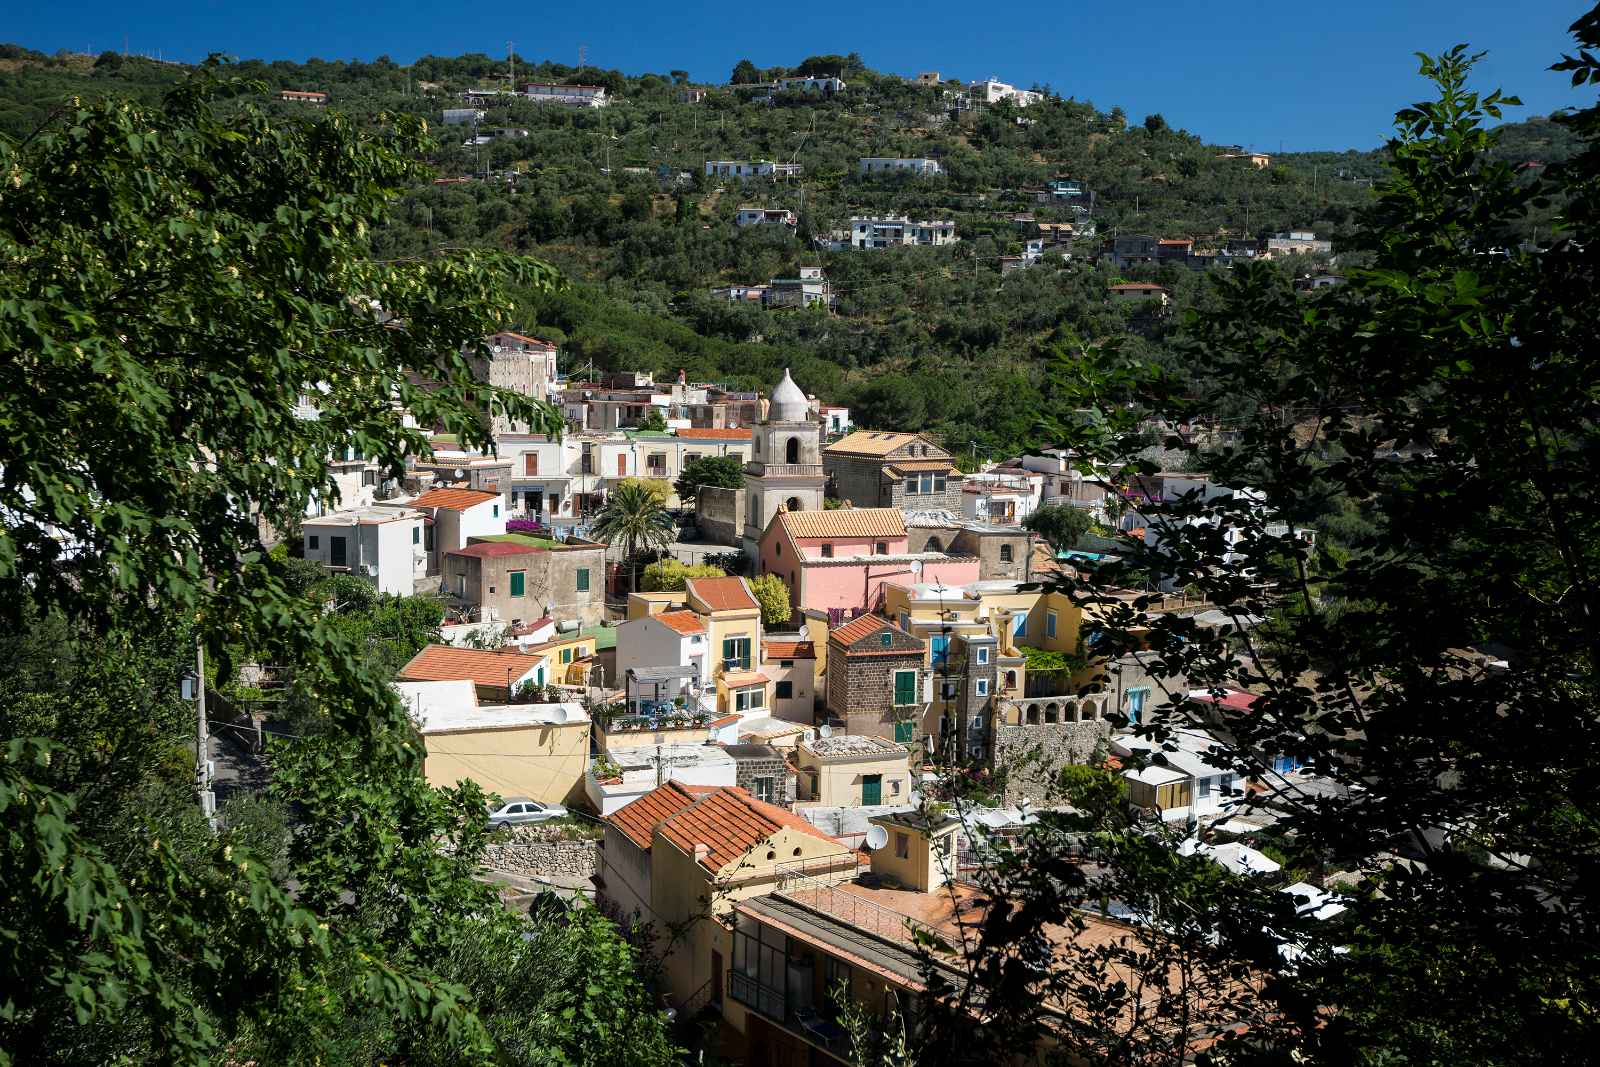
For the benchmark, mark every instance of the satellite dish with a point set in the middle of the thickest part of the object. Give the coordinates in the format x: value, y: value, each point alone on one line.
x: 558, y: 714
x: 460, y: 475
x: 824, y: 731
x: 877, y: 837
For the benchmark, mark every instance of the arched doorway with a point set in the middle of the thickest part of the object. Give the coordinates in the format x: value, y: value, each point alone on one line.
x: 791, y: 451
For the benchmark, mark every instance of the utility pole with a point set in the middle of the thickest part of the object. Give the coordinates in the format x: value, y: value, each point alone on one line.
x: 202, y: 746
x: 511, y: 58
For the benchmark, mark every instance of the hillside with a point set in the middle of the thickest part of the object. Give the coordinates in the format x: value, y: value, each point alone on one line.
x: 931, y: 337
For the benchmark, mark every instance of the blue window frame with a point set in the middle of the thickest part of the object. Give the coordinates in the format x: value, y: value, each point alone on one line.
x: 939, y: 646
x: 1136, y: 699
x: 1286, y: 764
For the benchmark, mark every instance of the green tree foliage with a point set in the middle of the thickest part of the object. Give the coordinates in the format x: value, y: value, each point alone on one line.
x: 773, y: 596
x: 1436, y: 676
x: 745, y: 73
x: 671, y: 576
x: 721, y: 472
x: 1060, y: 524
x: 173, y: 278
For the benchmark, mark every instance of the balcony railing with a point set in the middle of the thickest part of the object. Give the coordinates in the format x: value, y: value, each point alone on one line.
x: 768, y: 1001
x: 792, y: 470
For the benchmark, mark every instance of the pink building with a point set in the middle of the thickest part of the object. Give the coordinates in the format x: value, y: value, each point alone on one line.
x: 843, y: 558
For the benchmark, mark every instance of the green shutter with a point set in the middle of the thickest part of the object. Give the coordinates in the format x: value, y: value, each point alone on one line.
x: 905, y: 687
x: 583, y: 579
x: 518, y: 588
x: 871, y: 789
x: 904, y: 732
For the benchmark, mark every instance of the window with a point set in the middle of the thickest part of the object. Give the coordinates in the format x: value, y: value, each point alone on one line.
x: 827, y: 551
x: 1227, y: 784
x: 904, y: 733
x: 1203, y: 786
x: 566, y: 655
x: 1019, y: 625
x: 1136, y: 699
x: 1049, y: 624
x: 530, y: 463
x: 763, y: 789
x: 886, y: 639
x: 583, y: 579
x: 519, y: 583
x: 416, y: 536
x: 336, y: 551
x: 1011, y: 679
x: 894, y: 783
x: 1005, y: 554
x: 736, y: 652
x: 905, y: 687
x: 934, y: 545
x: 881, y: 548
x: 777, y: 549
x: 791, y: 450
x: 939, y: 648
x: 750, y: 699
x: 983, y: 687
x: 496, y: 510
x: 783, y: 690
x: 948, y: 689
x: 793, y: 504
x: 982, y: 653
x: 902, y: 846
x: 786, y: 663
x: 427, y: 538
x: 939, y: 482
x: 311, y: 542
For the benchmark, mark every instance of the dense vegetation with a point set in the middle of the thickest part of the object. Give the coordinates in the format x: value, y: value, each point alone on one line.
x: 922, y: 337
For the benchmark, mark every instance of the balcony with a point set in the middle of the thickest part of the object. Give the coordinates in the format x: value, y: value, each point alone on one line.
x: 791, y: 470
x: 806, y: 1024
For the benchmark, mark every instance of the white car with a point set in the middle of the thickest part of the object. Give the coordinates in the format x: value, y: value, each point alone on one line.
x: 521, y: 809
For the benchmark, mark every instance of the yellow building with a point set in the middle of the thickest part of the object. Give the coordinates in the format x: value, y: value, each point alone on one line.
x: 641, y: 605
x: 732, y: 619
x: 682, y: 853
x: 852, y: 771
x: 567, y: 658
x: 537, y: 751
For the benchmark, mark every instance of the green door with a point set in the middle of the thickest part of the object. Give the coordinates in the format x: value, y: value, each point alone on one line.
x: 872, y: 789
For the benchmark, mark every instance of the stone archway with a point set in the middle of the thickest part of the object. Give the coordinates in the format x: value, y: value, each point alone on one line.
x: 1052, y: 713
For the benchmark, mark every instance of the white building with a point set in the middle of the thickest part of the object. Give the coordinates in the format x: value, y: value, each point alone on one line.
x: 568, y: 95
x: 825, y: 86
x: 463, y: 116
x: 835, y: 419
x: 1296, y: 242
x: 766, y: 216
x: 885, y: 164
x: 1195, y: 785
x: 667, y: 639
x: 1002, y: 498
x: 745, y: 169
x: 455, y: 515
x: 890, y: 231
x: 384, y: 546
x: 990, y: 91
x: 648, y: 766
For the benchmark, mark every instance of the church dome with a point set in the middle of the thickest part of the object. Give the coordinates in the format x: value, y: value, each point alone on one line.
x: 788, y: 403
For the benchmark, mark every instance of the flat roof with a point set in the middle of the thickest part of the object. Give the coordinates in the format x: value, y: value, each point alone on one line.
x: 451, y: 720
x: 373, y: 516
x: 845, y: 746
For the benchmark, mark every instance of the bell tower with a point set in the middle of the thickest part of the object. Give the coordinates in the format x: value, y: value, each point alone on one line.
x: 785, y: 465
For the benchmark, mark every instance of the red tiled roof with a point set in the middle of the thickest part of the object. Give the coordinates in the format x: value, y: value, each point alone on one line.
x: 715, y: 434
x: 729, y: 822
x: 454, y: 499
x: 638, y: 820
x: 740, y: 679
x: 857, y: 628
x: 1236, y: 699
x: 1127, y: 286
x: 722, y: 594
x: 481, y: 549
x: 685, y: 622
x: 441, y: 663
x: 725, y: 720
x: 530, y: 340
x: 1174, y: 241
x: 789, y: 649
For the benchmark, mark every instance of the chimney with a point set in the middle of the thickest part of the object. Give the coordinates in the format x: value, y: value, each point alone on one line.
x: 702, y: 854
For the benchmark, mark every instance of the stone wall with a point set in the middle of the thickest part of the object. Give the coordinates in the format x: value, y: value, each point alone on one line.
x: 1031, y: 755
x: 720, y: 515
x: 534, y: 853
x: 861, y: 689
x: 746, y: 772
x: 988, y: 547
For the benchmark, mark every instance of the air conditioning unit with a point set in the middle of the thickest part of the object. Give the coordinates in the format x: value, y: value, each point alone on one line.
x: 370, y: 570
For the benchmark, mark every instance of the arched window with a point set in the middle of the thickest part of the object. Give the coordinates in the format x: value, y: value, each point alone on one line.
x: 1011, y: 679
x: 935, y: 545
x: 1005, y: 554
x: 793, y: 503
x: 791, y: 451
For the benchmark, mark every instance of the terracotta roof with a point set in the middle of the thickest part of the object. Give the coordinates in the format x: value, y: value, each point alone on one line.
x: 638, y: 820
x: 789, y: 650
x: 454, y: 499
x: 734, y: 433
x: 530, y: 340
x: 857, y: 628
x: 922, y: 465
x: 845, y: 522
x: 1125, y: 286
x: 685, y: 622
x: 1174, y: 241
x: 494, y: 548
x: 729, y: 822
x: 871, y: 442
x: 723, y: 594
x: 442, y: 663
x: 725, y: 720
x: 739, y: 679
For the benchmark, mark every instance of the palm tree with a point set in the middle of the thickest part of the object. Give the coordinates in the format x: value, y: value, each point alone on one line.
x: 636, y: 518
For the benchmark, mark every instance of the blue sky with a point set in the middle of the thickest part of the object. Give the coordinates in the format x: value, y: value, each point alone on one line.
x: 1263, y: 73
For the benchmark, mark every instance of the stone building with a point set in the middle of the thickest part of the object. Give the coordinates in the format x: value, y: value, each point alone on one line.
x: 512, y: 579
x: 1003, y: 552
x: 876, y: 678
x: 878, y: 469
x: 761, y: 771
